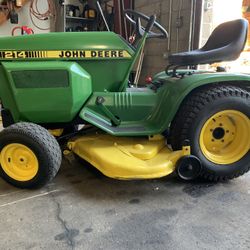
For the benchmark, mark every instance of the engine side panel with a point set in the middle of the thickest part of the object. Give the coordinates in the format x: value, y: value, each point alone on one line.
x: 44, y: 92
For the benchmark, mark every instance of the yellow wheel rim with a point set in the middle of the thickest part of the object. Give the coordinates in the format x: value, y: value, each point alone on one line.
x: 225, y: 137
x: 19, y: 162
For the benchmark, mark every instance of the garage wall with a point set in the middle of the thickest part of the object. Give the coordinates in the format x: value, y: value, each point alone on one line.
x: 157, y: 51
x: 24, y: 20
x: 207, y: 22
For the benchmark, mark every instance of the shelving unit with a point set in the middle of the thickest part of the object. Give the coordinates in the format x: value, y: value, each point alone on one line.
x: 66, y: 23
x: 112, y: 10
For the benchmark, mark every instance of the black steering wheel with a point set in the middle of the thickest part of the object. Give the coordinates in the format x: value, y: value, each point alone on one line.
x: 135, y: 17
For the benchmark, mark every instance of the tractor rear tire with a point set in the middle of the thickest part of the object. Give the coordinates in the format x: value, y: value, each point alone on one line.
x: 214, y: 119
x: 30, y: 156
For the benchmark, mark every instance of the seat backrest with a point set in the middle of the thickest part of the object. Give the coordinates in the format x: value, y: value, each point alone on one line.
x: 232, y: 33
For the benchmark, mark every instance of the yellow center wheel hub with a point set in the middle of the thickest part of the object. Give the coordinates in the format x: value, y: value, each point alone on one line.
x: 225, y: 137
x: 19, y: 162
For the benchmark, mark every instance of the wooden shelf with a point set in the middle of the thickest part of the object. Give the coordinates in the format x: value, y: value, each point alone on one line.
x: 80, y: 19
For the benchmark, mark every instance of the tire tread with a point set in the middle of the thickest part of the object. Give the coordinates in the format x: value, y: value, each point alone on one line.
x: 190, y: 108
x: 48, y: 147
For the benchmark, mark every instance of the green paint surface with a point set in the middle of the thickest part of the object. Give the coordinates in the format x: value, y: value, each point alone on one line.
x: 47, y: 90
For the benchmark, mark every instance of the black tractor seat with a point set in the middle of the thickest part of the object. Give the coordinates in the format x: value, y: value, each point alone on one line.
x: 224, y: 44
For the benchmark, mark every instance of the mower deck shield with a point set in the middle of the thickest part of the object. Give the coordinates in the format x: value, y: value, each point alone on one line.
x: 128, y: 157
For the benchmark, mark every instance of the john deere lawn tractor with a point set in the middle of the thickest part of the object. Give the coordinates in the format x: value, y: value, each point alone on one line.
x: 192, y: 122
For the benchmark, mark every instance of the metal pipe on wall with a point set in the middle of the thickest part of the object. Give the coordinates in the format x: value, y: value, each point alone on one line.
x: 169, y: 24
x: 191, y: 27
x: 197, y: 33
x: 178, y: 28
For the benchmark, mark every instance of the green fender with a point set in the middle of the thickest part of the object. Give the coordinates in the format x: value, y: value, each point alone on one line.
x: 177, y: 89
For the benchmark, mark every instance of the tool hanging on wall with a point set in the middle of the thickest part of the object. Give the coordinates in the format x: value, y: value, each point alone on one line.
x: 25, y: 30
x: 9, y: 10
x: 50, y: 13
x: 12, y: 12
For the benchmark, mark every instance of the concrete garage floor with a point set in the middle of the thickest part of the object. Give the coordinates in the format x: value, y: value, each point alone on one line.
x: 83, y: 210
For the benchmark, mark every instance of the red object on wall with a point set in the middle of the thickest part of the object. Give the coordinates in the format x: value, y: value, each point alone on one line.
x: 24, y: 30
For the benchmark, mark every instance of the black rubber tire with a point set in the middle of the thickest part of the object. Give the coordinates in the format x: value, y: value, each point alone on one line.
x: 199, y: 106
x: 42, y: 143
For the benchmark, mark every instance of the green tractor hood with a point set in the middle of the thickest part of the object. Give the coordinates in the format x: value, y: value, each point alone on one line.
x: 70, y: 46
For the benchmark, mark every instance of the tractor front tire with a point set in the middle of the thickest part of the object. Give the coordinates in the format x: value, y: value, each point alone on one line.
x: 214, y: 119
x: 29, y: 155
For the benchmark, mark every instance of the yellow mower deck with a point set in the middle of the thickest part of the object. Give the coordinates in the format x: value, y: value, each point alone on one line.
x: 126, y: 157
